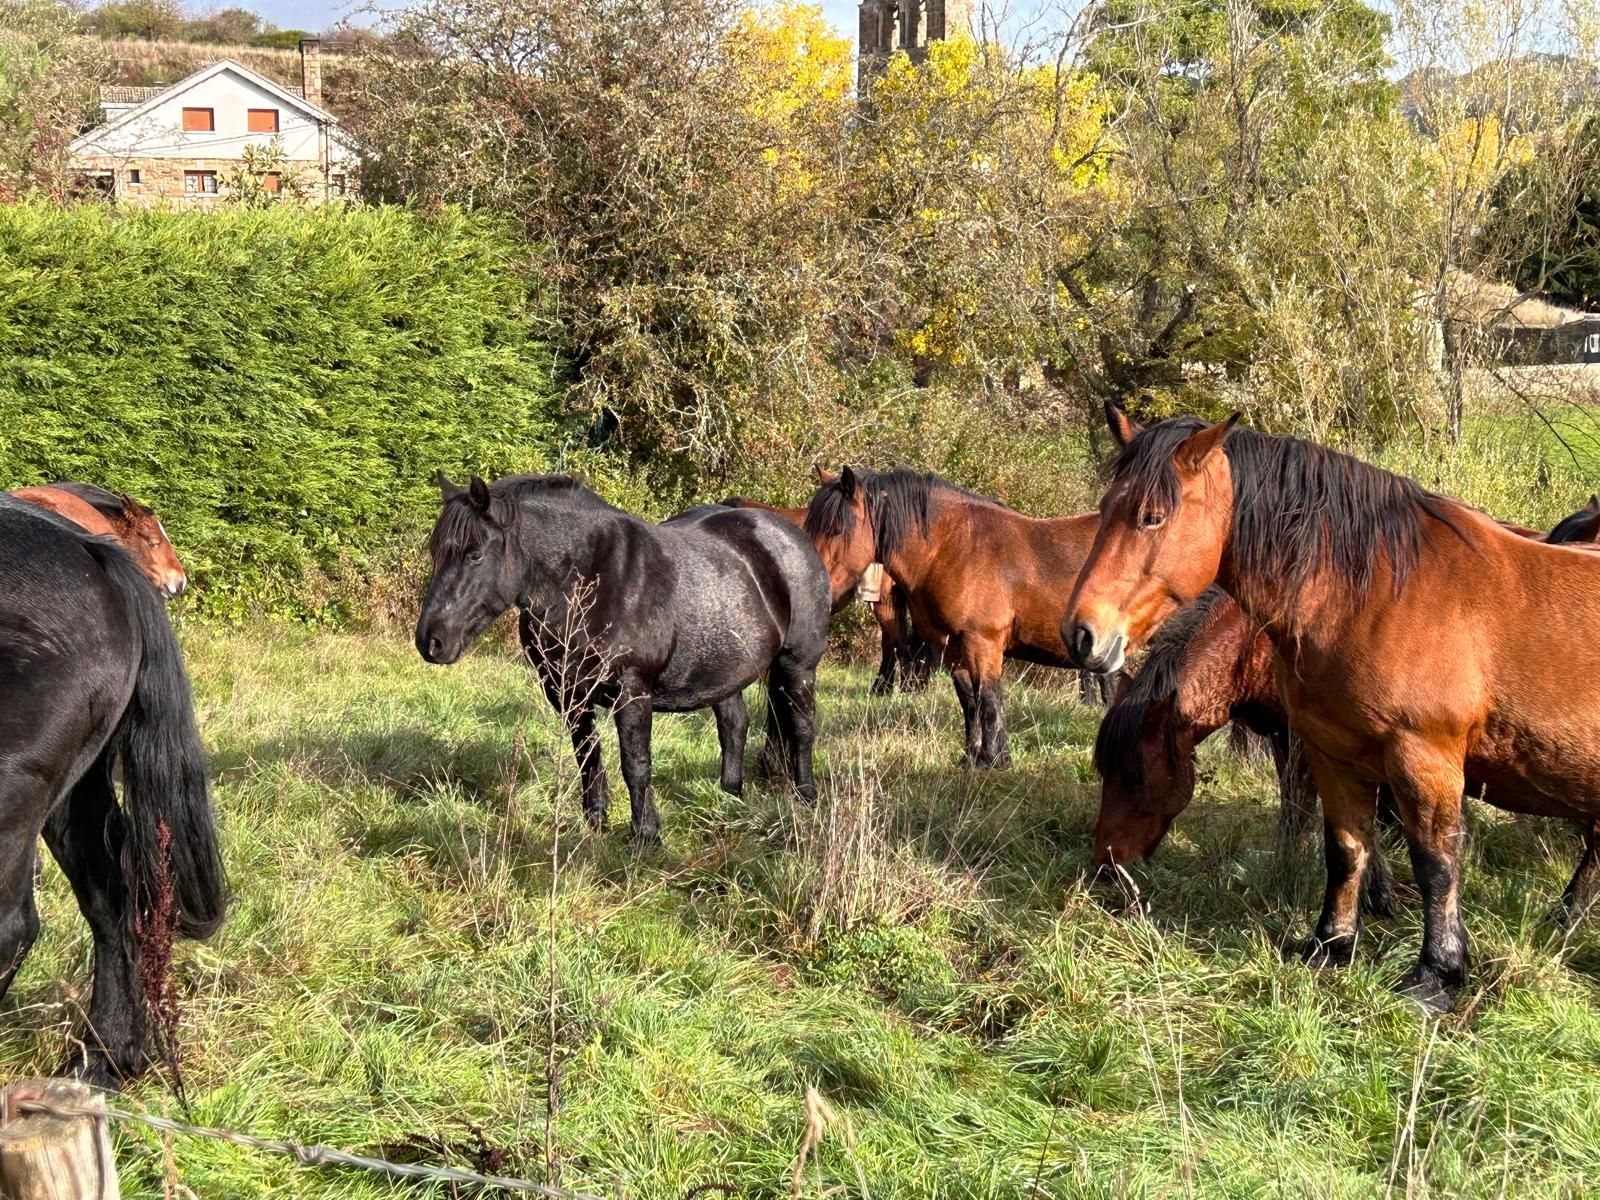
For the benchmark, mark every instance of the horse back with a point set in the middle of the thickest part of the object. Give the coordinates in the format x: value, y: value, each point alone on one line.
x: 65, y: 504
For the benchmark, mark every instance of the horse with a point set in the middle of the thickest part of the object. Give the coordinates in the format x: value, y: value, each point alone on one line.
x: 1209, y: 666
x: 978, y: 576
x: 93, y: 680
x: 619, y: 613
x: 129, y: 523
x: 1419, y: 646
x: 903, y: 650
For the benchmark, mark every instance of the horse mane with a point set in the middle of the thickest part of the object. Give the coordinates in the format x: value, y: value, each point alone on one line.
x: 107, y: 503
x: 1117, y: 755
x: 1578, y: 527
x: 829, y: 514
x: 1299, y: 509
x: 460, y: 520
x: 901, y: 502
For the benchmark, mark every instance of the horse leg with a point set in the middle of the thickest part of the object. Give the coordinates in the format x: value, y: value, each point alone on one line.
x: 633, y: 714
x: 733, y: 721
x: 580, y: 723
x: 794, y: 689
x: 922, y: 658
x: 889, y: 647
x: 1584, y: 887
x: 769, y: 763
x: 988, y: 659
x: 967, y: 694
x: 1348, y: 813
x: 19, y: 917
x: 86, y: 833
x: 1427, y: 790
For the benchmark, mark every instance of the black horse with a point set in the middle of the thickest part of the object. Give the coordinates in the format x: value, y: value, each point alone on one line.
x: 92, y: 679
x: 636, y: 617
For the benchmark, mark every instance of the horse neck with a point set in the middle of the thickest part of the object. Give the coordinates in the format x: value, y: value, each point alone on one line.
x: 910, y: 559
x: 556, y: 545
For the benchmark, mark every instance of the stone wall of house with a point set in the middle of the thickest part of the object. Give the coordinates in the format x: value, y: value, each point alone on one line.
x: 161, y: 180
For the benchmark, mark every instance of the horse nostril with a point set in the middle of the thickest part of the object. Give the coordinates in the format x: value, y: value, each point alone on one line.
x: 434, y: 648
x: 1082, y: 641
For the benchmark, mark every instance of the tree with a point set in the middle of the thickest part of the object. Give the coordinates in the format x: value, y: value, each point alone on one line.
x: 49, y: 73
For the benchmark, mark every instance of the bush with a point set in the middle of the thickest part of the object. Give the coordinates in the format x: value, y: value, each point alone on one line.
x: 279, y: 385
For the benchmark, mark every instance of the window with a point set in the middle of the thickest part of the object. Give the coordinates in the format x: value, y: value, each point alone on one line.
x: 199, y: 120
x: 272, y: 183
x: 200, y: 183
x: 262, y: 120
x: 134, y: 176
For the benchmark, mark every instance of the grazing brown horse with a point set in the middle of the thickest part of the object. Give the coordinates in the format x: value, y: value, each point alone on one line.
x: 121, y: 518
x: 1420, y: 645
x: 1208, y: 666
x: 978, y: 576
x: 902, y: 647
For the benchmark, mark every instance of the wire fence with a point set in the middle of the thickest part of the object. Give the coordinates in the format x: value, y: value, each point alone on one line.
x: 327, y: 1156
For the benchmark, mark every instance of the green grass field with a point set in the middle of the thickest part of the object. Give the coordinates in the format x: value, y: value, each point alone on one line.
x: 423, y: 936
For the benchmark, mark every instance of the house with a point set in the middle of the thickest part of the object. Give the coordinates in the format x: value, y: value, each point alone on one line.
x: 180, y: 144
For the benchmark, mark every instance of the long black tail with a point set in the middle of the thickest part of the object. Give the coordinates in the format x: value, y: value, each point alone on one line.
x: 171, y: 841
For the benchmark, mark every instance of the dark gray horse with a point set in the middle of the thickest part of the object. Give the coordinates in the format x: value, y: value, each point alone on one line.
x: 619, y: 613
x: 90, y: 679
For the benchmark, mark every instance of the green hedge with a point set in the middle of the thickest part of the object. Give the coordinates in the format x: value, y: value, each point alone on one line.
x: 279, y: 385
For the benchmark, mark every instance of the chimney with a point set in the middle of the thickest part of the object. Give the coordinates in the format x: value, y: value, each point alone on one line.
x: 311, y: 70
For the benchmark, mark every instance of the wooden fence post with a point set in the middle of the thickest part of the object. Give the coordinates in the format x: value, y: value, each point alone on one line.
x: 45, y: 1157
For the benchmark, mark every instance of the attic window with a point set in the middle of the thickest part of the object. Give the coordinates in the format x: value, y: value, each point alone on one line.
x: 199, y: 120
x: 262, y: 120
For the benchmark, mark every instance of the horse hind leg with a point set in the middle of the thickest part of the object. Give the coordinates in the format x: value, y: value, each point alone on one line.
x: 86, y: 833
x: 733, y: 722
x: 792, y: 692
x: 1584, y: 888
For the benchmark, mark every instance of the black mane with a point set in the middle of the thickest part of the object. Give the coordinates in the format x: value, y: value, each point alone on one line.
x: 461, y: 523
x: 829, y: 513
x: 900, y: 502
x: 1298, y: 508
x: 1117, y: 755
x: 106, y: 503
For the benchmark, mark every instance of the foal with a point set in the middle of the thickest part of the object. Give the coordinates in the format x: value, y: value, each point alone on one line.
x: 121, y: 518
x: 1392, y: 672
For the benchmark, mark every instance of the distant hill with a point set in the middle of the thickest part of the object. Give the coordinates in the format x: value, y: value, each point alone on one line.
x: 149, y: 63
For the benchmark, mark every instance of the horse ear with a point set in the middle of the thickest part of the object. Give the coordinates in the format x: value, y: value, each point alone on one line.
x: 447, y: 490
x: 478, y: 493
x: 847, y: 482
x: 1594, y: 503
x: 1123, y: 427
x: 1197, y: 447
x: 824, y: 476
x: 132, y: 510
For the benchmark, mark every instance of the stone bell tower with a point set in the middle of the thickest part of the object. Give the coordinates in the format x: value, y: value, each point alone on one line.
x: 909, y: 25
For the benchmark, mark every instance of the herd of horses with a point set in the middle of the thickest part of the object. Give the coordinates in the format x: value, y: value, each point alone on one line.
x: 1396, y: 648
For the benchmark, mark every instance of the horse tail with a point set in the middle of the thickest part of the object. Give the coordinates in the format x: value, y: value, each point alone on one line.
x: 171, y: 854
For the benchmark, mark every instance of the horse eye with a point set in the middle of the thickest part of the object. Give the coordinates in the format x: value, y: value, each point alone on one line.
x: 475, y: 556
x: 1151, y: 520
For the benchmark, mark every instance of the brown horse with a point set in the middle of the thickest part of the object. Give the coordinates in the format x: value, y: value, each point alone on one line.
x: 903, y: 650
x: 121, y: 518
x: 978, y: 576
x: 1208, y: 666
x: 1419, y: 645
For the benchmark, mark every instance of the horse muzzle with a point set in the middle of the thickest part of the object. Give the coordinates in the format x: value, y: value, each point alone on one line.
x: 1092, y: 651
x: 173, y: 586
x: 438, y: 646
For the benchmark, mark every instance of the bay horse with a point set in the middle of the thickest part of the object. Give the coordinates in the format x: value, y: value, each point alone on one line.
x: 93, y: 680
x: 1419, y: 646
x: 619, y: 613
x: 1210, y: 666
x: 978, y: 576
x: 903, y: 650
x: 133, y: 526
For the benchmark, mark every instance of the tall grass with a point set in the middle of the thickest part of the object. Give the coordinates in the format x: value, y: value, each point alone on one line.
x: 424, y: 936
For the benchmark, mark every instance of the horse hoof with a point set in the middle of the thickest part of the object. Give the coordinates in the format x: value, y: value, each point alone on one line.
x: 734, y: 789
x: 644, y: 843
x: 1425, y: 989
x: 596, y: 821
x: 1329, y: 954
x: 881, y: 687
